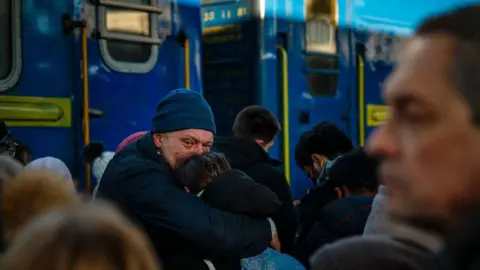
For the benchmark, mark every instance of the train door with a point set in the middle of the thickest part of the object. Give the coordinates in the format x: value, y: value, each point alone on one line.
x: 136, y: 55
x: 318, y: 71
x: 376, y: 57
x: 37, y: 76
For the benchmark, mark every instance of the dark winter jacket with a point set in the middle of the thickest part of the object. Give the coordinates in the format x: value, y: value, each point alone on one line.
x: 338, y: 219
x: 236, y: 192
x: 143, y: 184
x: 247, y: 156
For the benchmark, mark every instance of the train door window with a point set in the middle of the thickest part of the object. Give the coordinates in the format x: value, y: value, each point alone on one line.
x: 127, y: 50
x: 321, y: 47
x: 9, y: 43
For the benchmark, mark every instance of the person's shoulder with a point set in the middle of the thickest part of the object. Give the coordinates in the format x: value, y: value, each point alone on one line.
x: 364, y: 251
x: 132, y: 164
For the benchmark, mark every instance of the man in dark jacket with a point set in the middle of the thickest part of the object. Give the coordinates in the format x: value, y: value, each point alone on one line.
x: 355, y: 175
x: 315, y: 153
x: 140, y: 179
x: 254, y: 131
x: 429, y: 145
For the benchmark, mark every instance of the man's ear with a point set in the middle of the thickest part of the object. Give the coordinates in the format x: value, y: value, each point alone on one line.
x: 260, y: 142
x: 158, y: 140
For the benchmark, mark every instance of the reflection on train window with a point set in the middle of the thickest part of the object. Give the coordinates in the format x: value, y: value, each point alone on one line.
x: 320, y: 26
x: 125, y: 55
x: 322, y: 78
x: 128, y: 22
x: 6, y: 42
x: 129, y: 52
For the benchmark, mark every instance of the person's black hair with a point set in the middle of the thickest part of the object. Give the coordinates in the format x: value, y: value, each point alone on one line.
x: 462, y: 25
x: 196, y: 172
x: 355, y: 170
x: 256, y: 123
x: 324, y: 139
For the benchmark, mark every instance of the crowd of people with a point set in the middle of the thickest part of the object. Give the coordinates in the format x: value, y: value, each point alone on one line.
x: 179, y: 197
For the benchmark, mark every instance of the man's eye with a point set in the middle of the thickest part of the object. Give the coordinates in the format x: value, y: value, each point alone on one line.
x: 188, y: 142
x: 207, y: 147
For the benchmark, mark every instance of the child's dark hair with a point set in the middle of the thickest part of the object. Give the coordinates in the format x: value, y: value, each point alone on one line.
x: 196, y: 172
x: 356, y: 170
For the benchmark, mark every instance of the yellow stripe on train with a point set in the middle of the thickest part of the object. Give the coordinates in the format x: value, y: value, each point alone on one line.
x: 19, y: 111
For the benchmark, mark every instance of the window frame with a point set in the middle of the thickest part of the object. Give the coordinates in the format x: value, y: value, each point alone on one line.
x: 325, y: 53
x: 333, y: 40
x: 128, y: 67
x: 15, y: 70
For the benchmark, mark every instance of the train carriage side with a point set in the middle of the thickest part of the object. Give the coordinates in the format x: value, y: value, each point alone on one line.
x: 132, y: 52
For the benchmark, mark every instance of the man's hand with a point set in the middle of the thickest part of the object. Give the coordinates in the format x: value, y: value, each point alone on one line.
x: 275, y: 244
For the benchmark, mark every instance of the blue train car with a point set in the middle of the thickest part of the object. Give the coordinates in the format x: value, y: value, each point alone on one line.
x: 75, y: 71
x: 306, y: 60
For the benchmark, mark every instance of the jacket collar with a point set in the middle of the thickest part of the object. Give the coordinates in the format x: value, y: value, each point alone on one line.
x: 147, y: 148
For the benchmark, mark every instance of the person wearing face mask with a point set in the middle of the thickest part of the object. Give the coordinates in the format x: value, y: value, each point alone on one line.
x: 316, y: 153
x: 319, y: 147
x: 355, y: 176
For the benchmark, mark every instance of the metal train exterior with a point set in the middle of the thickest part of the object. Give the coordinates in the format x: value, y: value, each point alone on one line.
x: 81, y: 70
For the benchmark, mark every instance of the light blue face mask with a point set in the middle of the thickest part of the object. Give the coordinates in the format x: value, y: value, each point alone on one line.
x: 324, y: 176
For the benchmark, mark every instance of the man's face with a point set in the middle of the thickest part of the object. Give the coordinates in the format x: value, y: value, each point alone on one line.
x: 178, y: 146
x: 313, y: 171
x: 430, y: 146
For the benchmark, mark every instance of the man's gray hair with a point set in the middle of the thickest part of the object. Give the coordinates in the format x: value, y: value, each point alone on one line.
x: 461, y: 24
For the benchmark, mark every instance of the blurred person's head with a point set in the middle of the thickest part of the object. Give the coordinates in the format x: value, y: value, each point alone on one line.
x: 323, y: 142
x: 88, y: 237
x: 30, y: 194
x: 94, y: 153
x: 257, y: 123
x: 355, y: 173
x: 54, y: 165
x: 198, y: 171
x: 430, y: 144
x: 9, y: 167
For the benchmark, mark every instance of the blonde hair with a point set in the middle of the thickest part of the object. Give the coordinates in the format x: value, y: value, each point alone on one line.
x: 88, y: 237
x: 32, y: 193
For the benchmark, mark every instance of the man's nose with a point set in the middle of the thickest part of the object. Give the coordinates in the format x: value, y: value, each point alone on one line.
x: 198, y: 149
x: 382, y: 142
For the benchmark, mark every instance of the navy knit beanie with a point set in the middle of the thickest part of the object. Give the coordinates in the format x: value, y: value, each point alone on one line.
x: 183, y: 109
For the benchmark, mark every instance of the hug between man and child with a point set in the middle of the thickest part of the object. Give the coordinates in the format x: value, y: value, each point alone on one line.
x: 211, y: 178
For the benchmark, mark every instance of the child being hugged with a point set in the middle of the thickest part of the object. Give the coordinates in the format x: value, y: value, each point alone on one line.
x: 211, y: 178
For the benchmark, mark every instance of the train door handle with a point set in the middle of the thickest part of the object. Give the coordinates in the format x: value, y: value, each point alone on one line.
x: 94, y: 113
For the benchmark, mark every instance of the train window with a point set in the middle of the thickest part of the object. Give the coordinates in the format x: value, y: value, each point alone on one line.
x: 124, y: 55
x: 322, y: 75
x: 9, y: 44
x: 321, y: 47
x: 320, y: 26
